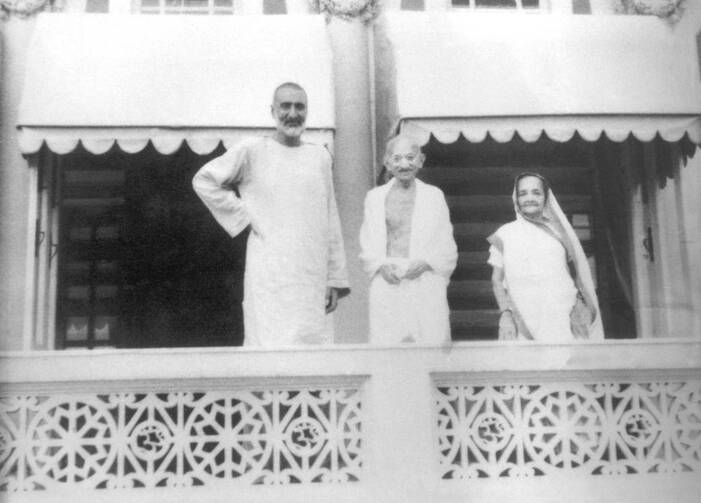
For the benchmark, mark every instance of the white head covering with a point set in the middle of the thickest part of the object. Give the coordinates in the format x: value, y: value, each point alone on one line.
x: 555, y: 221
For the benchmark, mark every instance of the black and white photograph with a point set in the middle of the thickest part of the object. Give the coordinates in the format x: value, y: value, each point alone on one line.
x: 387, y: 251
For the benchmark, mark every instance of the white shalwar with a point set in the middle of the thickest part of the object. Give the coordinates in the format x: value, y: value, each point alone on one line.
x: 295, y: 249
x: 413, y: 310
x: 537, y: 279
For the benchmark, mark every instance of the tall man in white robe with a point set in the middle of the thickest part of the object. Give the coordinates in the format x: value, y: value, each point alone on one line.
x: 295, y: 260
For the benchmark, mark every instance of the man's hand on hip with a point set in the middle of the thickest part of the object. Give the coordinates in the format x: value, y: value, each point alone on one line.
x: 331, y: 299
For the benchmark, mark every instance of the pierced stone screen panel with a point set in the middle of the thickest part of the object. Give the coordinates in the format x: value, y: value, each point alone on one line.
x: 180, y: 439
x: 596, y: 429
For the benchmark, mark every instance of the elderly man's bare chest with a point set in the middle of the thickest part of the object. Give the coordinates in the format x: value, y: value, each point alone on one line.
x: 399, y: 208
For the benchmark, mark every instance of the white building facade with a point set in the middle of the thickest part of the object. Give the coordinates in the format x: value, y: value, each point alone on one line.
x: 120, y: 298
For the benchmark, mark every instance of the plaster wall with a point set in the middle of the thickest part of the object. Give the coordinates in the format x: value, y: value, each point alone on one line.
x: 14, y: 183
x: 353, y: 163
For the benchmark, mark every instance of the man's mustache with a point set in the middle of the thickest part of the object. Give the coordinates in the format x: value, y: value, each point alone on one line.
x: 294, y: 123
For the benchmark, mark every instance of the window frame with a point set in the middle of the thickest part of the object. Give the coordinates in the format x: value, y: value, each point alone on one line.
x: 543, y: 7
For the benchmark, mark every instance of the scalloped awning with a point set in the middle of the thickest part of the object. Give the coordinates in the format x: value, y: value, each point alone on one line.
x: 482, y: 73
x: 129, y: 80
x: 670, y: 128
x: 63, y: 140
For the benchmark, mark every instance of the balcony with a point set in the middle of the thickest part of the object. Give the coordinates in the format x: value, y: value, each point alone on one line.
x: 618, y: 421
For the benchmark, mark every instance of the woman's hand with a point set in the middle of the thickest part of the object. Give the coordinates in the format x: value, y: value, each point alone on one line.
x: 581, y: 317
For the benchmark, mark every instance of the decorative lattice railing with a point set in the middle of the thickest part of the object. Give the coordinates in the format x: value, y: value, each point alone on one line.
x: 604, y: 428
x: 514, y: 421
x: 180, y: 439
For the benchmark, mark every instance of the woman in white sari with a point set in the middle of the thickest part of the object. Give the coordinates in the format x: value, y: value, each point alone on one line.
x: 541, y: 278
x: 408, y: 251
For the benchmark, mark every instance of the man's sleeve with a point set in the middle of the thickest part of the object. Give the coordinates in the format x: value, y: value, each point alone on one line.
x: 371, y: 260
x: 337, y: 275
x: 214, y: 182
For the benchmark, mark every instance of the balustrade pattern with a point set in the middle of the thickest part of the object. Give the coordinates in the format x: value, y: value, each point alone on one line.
x: 606, y: 428
x: 179, y: 439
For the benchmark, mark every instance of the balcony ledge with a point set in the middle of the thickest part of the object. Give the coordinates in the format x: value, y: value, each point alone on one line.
x: 513, y: 357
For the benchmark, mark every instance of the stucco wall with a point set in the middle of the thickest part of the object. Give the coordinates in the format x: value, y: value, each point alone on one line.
x: 353, y: 163
x: 14, y: 179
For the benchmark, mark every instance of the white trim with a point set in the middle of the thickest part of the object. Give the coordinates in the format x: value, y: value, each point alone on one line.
x: 53, y: 257
x: 30, y: 262
x: 560, y: 128
x: 560, y: 6
x: 602, y: 7
x: 298, y: 7
x: 63, y: 140
x: 512, y: 358
x: 122, y: 6
x: 688, y: 186
x: 250, y: 7
x: 639, y: 488
x: 42, y: 287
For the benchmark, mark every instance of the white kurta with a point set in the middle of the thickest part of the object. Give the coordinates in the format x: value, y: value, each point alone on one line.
x: 414, y: 310
x: 295, y: 249
x: 536, y: 278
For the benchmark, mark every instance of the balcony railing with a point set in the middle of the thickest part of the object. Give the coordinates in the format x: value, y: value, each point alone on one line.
x: 619, y: 421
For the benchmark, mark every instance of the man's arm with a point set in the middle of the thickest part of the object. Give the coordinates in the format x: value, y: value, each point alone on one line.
x: 370, y: 256
x: 507, y: 319
x: 337, y: 275
x: 213, y: 184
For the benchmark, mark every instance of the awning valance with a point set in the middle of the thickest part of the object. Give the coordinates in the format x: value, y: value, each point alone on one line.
x: 481, y: 73
x: 557, y: 128
x: 132, y: 140
x: 101, y: 79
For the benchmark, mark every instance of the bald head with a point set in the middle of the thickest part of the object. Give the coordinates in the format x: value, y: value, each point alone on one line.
x: 403, y: 158
x: 402, y: 140
x: 287, y: 85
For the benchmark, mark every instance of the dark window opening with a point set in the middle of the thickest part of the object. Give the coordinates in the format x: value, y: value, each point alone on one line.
x: 496, y: 4
x: 97, y: 6
x: 413, y: 5
x: 141, y: 261
x: 274, y: 7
